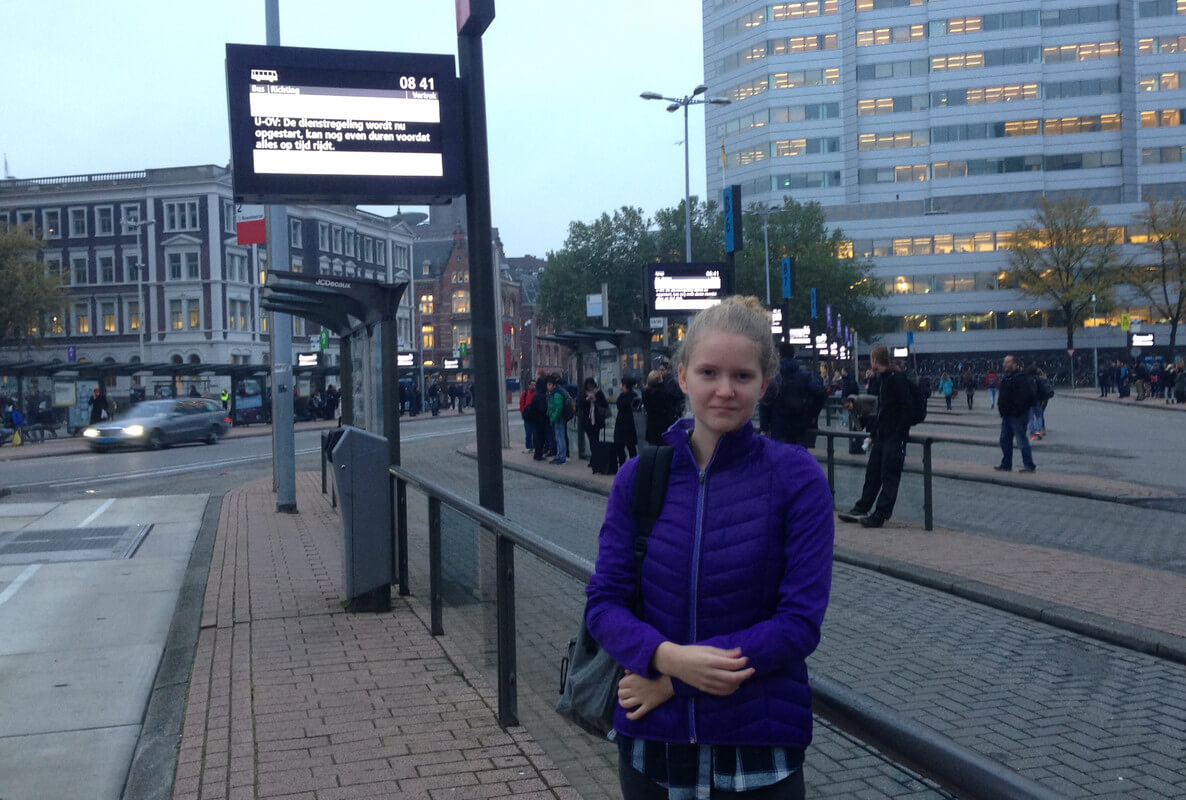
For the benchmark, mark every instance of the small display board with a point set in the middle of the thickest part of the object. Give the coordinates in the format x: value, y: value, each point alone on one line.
x: 1142, y: 340
x: 686, y: 288
x: 343, y: 126
x: 901, y: 352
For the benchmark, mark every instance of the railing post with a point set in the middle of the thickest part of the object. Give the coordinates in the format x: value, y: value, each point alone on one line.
x: 928, y: 502
x: 832, y: 465
x: 401, y: 536
x: 434, y: 565
x: 508, y: 698
x: 323, y: 437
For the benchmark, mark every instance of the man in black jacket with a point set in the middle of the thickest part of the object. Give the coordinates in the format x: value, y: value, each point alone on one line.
x: 792, y: 402
x: 887, y: 455
x: 1017, y: 398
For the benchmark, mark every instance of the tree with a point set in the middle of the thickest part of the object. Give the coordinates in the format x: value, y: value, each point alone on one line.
x: 1161, y: 283
x: 801, y: 231
x: 30, y: 293
x: 611, y: 250
x: 1065, y: 254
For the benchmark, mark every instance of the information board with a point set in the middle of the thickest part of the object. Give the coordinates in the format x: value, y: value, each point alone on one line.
x: 686, y: 288
x: 343, y: 126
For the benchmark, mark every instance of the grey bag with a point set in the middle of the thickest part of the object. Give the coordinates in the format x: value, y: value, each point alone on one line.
x: 588, y: 675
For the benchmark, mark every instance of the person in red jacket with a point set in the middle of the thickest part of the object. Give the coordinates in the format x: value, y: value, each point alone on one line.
x: 525, y: 398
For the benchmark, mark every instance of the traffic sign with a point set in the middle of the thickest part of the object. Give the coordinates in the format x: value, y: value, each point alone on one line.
x: 909, y: 338
x: 814, y: 309
x: 324, y: 338
x: 657, y: 323
x: 1070, y: 351
x: 788, y: 269
x: 1125, y: 322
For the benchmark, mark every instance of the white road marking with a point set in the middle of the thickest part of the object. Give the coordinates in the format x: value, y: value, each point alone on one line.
x: 97, y: 512
x: 16, y: 584
x: 203, y: 465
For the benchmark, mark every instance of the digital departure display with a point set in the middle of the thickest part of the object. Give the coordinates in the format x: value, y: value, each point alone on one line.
x: 674, y: 289
x: 343, y: 126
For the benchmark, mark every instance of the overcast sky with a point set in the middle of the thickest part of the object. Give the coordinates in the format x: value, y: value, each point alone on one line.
x: 112, y: 85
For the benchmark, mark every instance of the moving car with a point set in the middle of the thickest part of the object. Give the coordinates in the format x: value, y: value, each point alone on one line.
x: 159, y: 423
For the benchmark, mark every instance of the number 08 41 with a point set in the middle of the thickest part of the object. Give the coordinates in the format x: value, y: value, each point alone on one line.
x: 411, y: 82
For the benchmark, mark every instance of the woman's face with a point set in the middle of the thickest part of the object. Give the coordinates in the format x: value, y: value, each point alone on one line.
x: 723, y: 381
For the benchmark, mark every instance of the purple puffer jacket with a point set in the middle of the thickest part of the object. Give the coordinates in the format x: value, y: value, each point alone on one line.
x: 740, y: 557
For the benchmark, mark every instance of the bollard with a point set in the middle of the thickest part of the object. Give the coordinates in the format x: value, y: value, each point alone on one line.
x: 324, y: 439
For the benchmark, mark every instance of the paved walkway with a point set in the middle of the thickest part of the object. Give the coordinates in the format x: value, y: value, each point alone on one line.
x: 291, y: 697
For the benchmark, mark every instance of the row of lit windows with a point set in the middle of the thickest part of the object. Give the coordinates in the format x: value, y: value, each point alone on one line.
x: 1162, y: 118
x: 792, y: 45
x: 776, y: 12
x: 1162, y: 155
x: 1009, y: 56
x: 1163, y: 44
x: 942, y: 284
x: 1160, y: 82
x: 785, y: 80
x: 987, y: 23
x: 780, y: 115
x: 984, y: 321
x: 1062, y: 90
x: 948, y: 243
x: 878, y: 5
x: 783, y: 148
x: 904, y: 173
x: 990, y: 130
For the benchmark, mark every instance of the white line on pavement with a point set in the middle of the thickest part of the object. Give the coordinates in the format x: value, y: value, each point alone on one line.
x: 97, y: 512
x: 16, y: 584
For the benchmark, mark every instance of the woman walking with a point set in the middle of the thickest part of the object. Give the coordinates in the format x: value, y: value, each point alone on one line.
x: 968, y: 384
x: 625, y: 434
x: 734, y: 585
x: 946, y: 388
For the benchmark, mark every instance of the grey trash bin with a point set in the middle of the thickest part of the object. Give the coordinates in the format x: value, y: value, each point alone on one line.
x: 359, y: 461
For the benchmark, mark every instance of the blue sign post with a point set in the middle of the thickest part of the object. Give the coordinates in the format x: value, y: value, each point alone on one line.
x: 909, y: 338
x: 788, y: 270
x: 828, y: 321
x: 814, y: 308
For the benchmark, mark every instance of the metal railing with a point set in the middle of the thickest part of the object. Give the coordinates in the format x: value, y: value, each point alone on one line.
x: 933, y: 754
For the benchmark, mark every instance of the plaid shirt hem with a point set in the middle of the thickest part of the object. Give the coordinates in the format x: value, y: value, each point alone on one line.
x: 691, y: 771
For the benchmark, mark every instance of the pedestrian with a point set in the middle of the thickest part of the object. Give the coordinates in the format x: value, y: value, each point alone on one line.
x: 625, y: 432
x: 946, y: 388
x: 675, y: 397
x: 225, y: 397
x: 100, y: 406
x: 1017, y: 398
x: 657, y: 403
x: 537, y: 414
x: 968, y: 384
x: 594, y: 411
x: 1042, y: 394
x: 1180, y: 385
x: 734, y: 586
x: 991, y: 382
x: 525, y: 398
x: 1103, y: 378
x: 791, y: 404
x: 557, y: 397
x: 887, y: 454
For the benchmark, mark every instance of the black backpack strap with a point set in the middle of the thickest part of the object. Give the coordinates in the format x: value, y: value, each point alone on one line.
x: 650, y: 490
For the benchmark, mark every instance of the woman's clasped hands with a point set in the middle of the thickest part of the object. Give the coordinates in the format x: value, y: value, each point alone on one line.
x: 709, y: 669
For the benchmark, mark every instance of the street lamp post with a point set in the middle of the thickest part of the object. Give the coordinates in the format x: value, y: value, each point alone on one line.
x: 766, y: 211
x: 676, y: 104
x: 139, y: 226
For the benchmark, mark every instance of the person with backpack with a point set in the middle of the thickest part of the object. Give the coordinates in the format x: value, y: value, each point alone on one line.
x: 558, y: 399
x: 946, y: 388
x: 992, y: 382
x: 733, y: 585
x: 537, y: 415
x: 898, y: 403
x: 1043, y: 393
x: 1017, y: 398
x: 791, y: 405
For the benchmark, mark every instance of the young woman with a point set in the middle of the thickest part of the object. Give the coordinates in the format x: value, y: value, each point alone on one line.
x: 946, y: 388
x: 734, y: 585
x: 625, y: 433
x: 593, y: 410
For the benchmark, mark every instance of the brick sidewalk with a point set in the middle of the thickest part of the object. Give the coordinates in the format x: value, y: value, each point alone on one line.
x: 292, y: 697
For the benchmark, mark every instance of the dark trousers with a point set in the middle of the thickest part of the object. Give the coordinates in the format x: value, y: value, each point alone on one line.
x: 624, y: 451
x: 970, y: 395
x: 1014, y: 429
x: 540, y: 439
x: 636, y: 786
x: 883, y: 473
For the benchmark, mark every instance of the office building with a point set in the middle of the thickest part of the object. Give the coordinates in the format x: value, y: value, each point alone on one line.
x: 197, y: 300
x: 927, y: 130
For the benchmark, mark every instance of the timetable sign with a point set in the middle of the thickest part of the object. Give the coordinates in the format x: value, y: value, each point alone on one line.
x: 335, y: 126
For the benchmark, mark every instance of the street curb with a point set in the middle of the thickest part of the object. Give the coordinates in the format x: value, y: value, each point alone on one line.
x: 1122, y: 634
x: 555, y: 477
x: 1161, y: 406
x: 154, y: 762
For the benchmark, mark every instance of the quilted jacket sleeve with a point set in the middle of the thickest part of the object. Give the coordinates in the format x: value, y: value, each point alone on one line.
x: 793, y: 632
x: 613, y: 625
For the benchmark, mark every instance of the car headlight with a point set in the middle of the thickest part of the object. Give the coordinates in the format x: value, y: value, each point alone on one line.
x: 134, y: 430
x: 91, y: 433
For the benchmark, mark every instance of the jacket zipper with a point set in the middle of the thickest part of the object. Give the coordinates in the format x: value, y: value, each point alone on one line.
x: 692, y: 624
